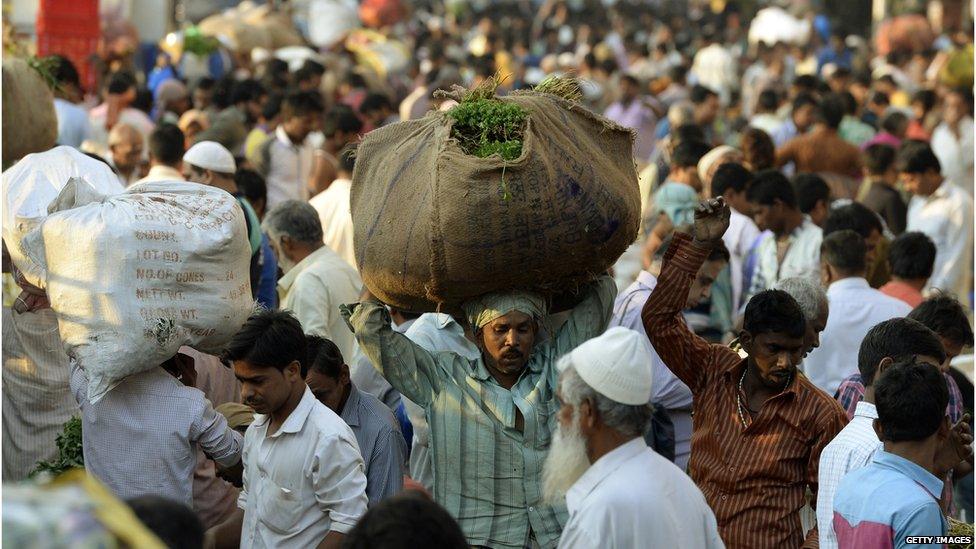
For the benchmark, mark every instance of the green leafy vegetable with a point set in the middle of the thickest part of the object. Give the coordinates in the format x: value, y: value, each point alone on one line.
x: 70, y: 452
x: 484, y: 127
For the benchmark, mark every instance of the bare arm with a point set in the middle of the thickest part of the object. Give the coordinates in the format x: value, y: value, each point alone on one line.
x: 333, y: 540
x: 226, y: 535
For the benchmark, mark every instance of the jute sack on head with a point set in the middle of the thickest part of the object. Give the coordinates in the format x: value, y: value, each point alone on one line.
x: 135, y: 276
x: 29, y: 121
x: 435, y: 226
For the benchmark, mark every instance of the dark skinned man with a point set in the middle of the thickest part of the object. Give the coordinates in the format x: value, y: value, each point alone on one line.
x: 759, y: 424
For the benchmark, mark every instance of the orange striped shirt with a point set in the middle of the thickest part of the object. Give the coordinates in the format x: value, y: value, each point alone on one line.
x: 753, y: 478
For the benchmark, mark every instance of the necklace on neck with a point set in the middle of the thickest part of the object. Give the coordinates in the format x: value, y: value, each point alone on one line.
x: 741, y: 404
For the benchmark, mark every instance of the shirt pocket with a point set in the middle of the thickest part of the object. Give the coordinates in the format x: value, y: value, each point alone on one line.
x: 278, y: 508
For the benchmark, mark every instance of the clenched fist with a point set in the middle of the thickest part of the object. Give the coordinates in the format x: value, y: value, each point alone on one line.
x: 711, y: 220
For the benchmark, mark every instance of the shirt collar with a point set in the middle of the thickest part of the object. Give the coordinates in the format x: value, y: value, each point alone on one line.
x: 161, y: 171
x: 296, y: 420
x: 867, y: 410
x: 912, y: 470
x: 601, y: 469
x: 942, y: 192
x: 289, y: 278
x: 282, y: 136
x: 350, y: 412
x: 853, y: 283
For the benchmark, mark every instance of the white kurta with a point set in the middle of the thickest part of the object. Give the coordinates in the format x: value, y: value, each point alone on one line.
x: 332, y: 206
x: 947, y: 218
x: 632, y: 497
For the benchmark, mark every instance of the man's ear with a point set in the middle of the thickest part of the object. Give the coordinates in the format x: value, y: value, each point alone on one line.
x: 293, y: 371
x: 746, y: 340
x: 878, y: 430
x: 344, y: 375
x: 588, y: 413
x: 882, y: 366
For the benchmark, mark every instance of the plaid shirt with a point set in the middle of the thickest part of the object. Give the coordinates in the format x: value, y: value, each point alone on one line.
x: 851, y: 391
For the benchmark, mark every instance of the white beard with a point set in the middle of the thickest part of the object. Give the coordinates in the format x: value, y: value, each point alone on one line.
x: 565, y: 464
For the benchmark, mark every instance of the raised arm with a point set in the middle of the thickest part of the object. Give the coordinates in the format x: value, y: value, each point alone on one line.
x: 408, y: 367
x: 687, y: 355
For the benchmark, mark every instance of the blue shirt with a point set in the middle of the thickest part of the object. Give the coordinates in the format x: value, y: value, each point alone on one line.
x: 881, y: 504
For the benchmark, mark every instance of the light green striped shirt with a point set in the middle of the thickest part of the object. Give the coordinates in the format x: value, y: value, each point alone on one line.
x: 487, y: 474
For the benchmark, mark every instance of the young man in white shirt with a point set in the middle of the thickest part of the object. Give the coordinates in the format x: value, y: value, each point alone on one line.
x: 304, y: 478
x: 853, y: 448
x: 794, y: 248
x: 286, y: 159
x: 334, y: 211
x: 942, y: 211
x: 611, y: 480
x: 952, y: 140
x: 854, y: 308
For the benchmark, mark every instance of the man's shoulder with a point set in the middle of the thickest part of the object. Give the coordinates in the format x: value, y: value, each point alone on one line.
x: 818, y: 403
x: 381, y: 419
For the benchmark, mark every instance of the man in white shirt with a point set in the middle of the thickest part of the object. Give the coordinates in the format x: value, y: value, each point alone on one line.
x: 766, y: 118
x: 142, y: 437
x: 316, y: 280
x: 166, y: 149
x: 332, y: 205
x: 794, y: 248
x: 855, y: 308
x: 952, y: 140
x: 620, y: 493
x: 287, y: 158
x: 853, y: 448
x: 730, y: 182
x: 715, y: 67
x: 304, y: 478
x: 73, y: 125
x: 668, y: 392
x: 942, y: 211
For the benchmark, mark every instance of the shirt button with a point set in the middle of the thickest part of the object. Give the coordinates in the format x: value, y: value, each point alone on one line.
x: 532, y: 509
x: 724, y: 497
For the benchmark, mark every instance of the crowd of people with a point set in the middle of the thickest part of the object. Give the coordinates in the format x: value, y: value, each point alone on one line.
x: 779, y: 359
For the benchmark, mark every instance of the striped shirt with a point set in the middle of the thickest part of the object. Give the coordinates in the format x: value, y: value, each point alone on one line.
x: 487, y: 473
x: 754, y: 478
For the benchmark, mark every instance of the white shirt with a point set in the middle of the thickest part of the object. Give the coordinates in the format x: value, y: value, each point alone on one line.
x: 739, y: 239
x: 73, y: 125
x: 160, y: 172
x: 802, y: 258
x: 956, y: 155
x: 666, y: 389
x: 767, y: 122
x: 332, y: 205
x: 314, y: 289
x: 851, y: 449
x: 715, y: 68
x: 947, y: 218
x: 141, y: 438
x: 632, y: 497
x: 855, y: 308
x: 289, y: 169
x: 303, y: 481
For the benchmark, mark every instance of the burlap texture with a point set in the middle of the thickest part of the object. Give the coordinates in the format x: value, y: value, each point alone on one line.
x: 29, y: 122
x: 435, y: 226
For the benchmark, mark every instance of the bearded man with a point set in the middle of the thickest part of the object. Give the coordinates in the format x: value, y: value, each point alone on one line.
x: 490, y: 417
x: 620, y: 492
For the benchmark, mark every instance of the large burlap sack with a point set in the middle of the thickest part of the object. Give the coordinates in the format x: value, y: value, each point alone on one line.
x: 277, y: 24
x: 435, y: 226
x: 29, y: 122
x: 29, y: 187
x: 235, y: 33
x: 135, y: 276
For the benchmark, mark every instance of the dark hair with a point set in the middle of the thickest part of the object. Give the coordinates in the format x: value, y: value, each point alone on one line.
x: 631, y: 79
x: 206, y: 83
x: 175, y: 524
x: 807, y: 83
x: 301, y: 104
x: 897, y: 339
x: 324, y: 357
x: 247, y: 90
x: 314, y: 67
x: 223, y: 92
x: 810, y: 188
x: 878, y: 158
x: 774, y: 311
x: 946, y: 317
x: 912, y: 256
x: 271, y: 339
x: 768, y: 100
x: 850, y: 103
x: 272, y: 107
x: 120, y: 82
x: 251, y: 183
x: 831, y: 110
x: 167, y: 144
x: 304, y: 73
x: 879, y: 98
x: 687, y: 132
x: 853, y: 217
x: 768, y: 186
x: 804, y: 99
x: 64, y: 71
x: 144, y: 100
x: 375, y: 102
x: 917, y: 157
x: 965, y: 94
x: 686, y: 154
x: 911, y: 398
x: 406, y: 521
x: 845, y: 251
x: 927, y: 98
x: 678, y: 73
x: 347, y: 157
x: 699, y: 94
x: 758, y: 149
x: 895, y: 123
x: 730, y: 175
x: 341, y: 118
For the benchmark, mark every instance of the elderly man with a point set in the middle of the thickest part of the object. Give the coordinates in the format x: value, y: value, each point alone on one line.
x: 611, y: 480
x: 490, y: 418
x: 125, y: 153
x: 316, y: 279
x: 812, y: 300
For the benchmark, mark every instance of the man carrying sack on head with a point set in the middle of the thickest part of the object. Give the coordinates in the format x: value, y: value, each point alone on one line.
x: 491, y: 418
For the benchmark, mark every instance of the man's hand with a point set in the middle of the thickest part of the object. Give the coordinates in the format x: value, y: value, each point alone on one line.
x: 957, y: 448
x: 711, y: 220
